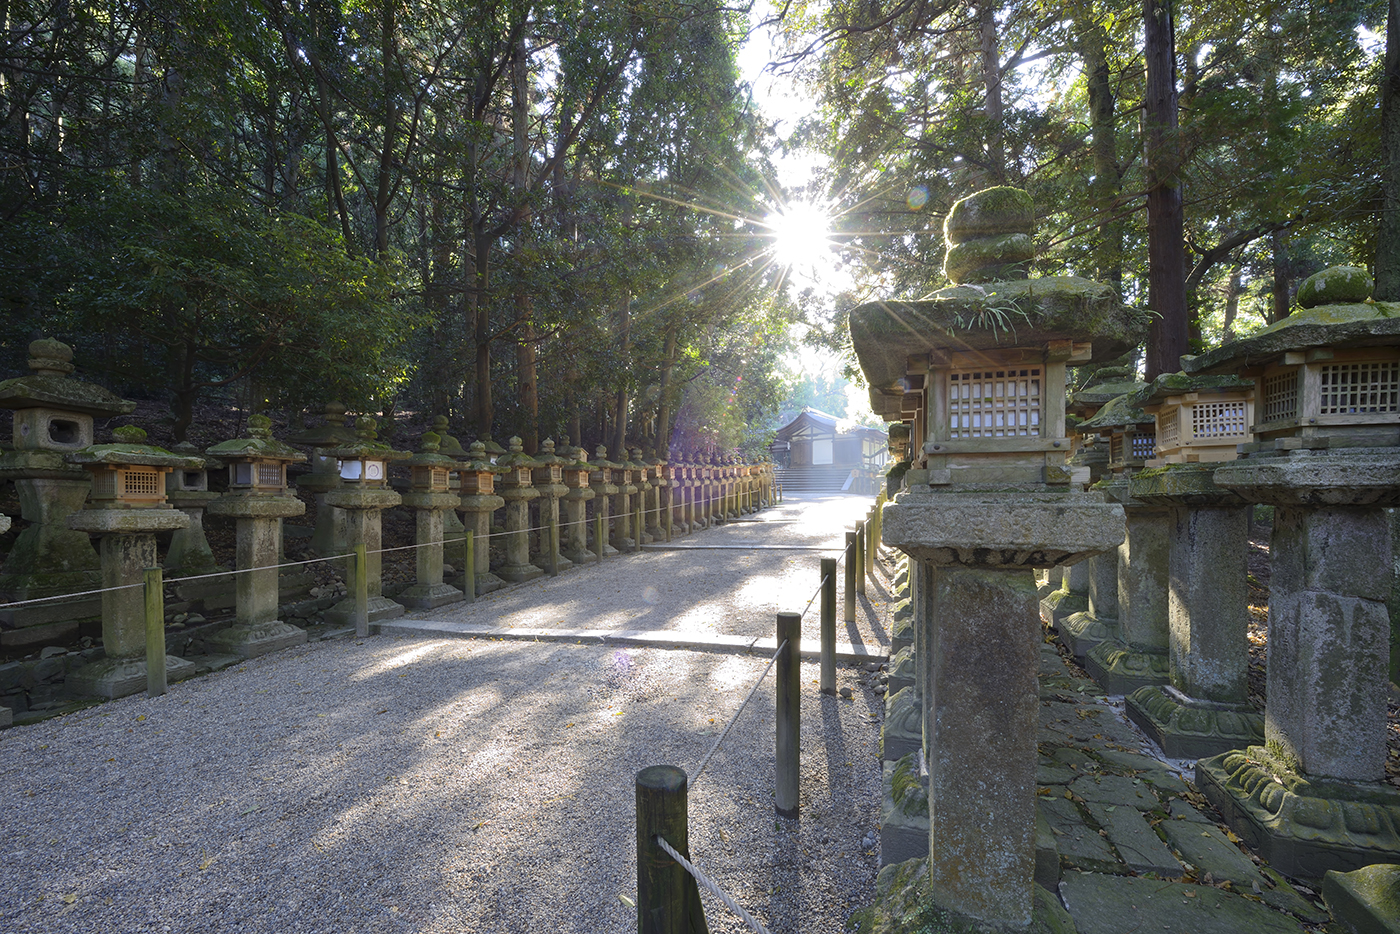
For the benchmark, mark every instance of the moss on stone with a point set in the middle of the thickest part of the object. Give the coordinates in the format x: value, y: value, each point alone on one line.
x: 1335, y: 285
x: 1367, y: 324
x: 1002, y: 255
x: 1119, y: 412
x: 989, y: 212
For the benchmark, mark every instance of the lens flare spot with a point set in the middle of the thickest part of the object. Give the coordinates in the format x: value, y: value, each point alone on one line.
x: 917, y: 198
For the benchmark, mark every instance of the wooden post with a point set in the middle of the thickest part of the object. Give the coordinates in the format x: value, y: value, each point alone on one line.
x: 828, y: 684
x: 860, y: 558
x: 668, y: 899
x: 554, y: 544
x: 599, y: 541
x: 870, y: 544
x: 361, y: 583
x: 469, y: 558
x: 670, y: 507
x: 637, y: 526
x: 849, y: 596
x: 155, y: 632
x: 789, y: 676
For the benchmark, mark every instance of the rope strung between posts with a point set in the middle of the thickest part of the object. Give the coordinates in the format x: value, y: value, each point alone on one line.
x: 69, y: 596
x: 815, y: 595
x: 735, y: 719
x: 713, y: 889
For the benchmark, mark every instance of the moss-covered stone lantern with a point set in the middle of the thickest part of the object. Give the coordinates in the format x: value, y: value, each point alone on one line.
x: 258, y: 499
x: 1326, y: 456
x: 53, y: 416
x: 1199, y: 419
x: 606, y: 490
x: 548, y: 478
x: 364, y: 495
x: 328, y: 537
x: 518, y: 491
x: 989, y: 498
x: 477, y: 482
x: 576, y: 472
x: 131, y: 477
x: 431, y: 499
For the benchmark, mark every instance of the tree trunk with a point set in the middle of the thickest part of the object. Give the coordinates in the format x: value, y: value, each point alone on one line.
x: 1166, y: 248
x: 525, y: 372
x: 1232, y: 303
x: 1103, y: 147
x: 1283, y: 275
x: 991, y: 80
x: 1388, y: 241
x: 624, y: 325
x: 384, y: 186
x: 663, y: 412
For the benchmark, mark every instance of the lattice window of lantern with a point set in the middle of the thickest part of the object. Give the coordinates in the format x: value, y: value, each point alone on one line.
x: 1219, y: 419
x: 104, y: 484
x: 1144, y: 445
x: 1169, y: 427
x: 1281, y: 396
x: 1002, y: 403
x: 1360, y: 388
x: 142, y: 483
x: 269, y: 475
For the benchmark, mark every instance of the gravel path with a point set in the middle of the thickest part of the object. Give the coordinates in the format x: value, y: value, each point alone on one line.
x: 451, y: 785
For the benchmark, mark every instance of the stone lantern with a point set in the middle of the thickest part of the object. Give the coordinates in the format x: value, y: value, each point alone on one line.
x: 477, y: 482
x: 431, y: 498
x: 518, y: 491
x: 662, y: 498
x: 363, y: 466
x: 53, y: 416
x: 642, y: 479
x: 548, y: 478
x: 606, y: 489
x: 1205, y: 708
x: 189, y: 554
x: 127, y: 507
x: 989, y: 498
x: 258, y: 499
x: 681, y: 492
x: 1326, y: 455
x: 448, y: 446
x: 328, y: 537
x: 575, y: 470
x: 1134, y: 653
x: 624, y: 475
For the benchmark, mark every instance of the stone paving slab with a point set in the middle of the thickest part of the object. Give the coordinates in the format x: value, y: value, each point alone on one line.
x: 1104, y: 904
x: 1135, y: 840
x: 1078, y: 844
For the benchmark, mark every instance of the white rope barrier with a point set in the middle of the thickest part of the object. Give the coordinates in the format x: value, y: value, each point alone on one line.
x: 700, y: 877
x: 735, y: 719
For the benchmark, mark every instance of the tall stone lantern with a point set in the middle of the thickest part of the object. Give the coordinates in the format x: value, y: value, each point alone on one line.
x: 53, y: 416
x: 1205, y: 709
x: 1326, y: 455
x: 258, y: 499
x: 987, y: 500
x: 477, y: 482
x: 548, y: 478
x: 431, y: 498
x: 607, y: 488
x: 1134, y: 653
x: 364, y: 495
x: 517, y: 490
x: 577, y: 473
x: 126, y: 508
x: 328, y: 538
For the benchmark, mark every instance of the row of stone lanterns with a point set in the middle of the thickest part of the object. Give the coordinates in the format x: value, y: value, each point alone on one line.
x: 1313, y: 406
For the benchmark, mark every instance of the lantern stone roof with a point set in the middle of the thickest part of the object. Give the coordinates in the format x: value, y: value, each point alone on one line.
x: 365, y: 444
x: 477, y: 461
x: 259, y: 444
x: 517, y: 457
x: 997, y: 315
x: 428, y: 455
x: 1120, y: 412
x: 547, y: 457
x: 1176, y: 384
x: 51, y: 386
x: 333, y: 432
x: 128, y: 450
x: 1104, y: 385
x: 1355, y: 325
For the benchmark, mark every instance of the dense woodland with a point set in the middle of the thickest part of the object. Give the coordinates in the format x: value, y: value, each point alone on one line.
x: 545, y: 218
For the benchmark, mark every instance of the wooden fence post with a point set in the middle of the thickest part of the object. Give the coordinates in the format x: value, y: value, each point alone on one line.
x: 668, y: 900
x: 155, y: 632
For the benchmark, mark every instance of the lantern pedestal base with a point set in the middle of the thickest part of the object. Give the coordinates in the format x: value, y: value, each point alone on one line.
x: 427, y: 596
x: 1302, y: 826
x: 380, y: 608
x: 117, y: 677
x: 1188, y: 728
x: 249, y: 640
x: 519, y: 573
x: 1083, y: 632
x: 542, y: 562
x: 1120, y: 669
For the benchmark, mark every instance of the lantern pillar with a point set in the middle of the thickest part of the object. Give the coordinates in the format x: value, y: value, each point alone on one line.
x: 431, y: 501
